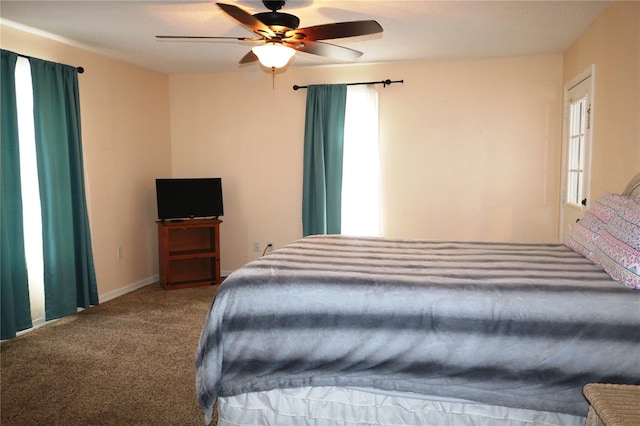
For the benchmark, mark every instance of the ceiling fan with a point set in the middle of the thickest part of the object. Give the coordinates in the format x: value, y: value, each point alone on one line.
x: 280, y: 36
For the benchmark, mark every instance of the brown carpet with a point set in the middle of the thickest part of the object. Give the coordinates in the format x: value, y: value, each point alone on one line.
x: 129, y: 361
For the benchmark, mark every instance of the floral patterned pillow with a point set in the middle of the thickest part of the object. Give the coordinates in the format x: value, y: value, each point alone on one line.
x: 584, y: 234
x: 618, y: 248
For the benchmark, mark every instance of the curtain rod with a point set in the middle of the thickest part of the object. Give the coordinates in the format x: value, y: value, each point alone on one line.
x: 385, y: 83
x: 80, y: 69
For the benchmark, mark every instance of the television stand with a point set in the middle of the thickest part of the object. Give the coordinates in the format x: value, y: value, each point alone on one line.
x: 189, y: 253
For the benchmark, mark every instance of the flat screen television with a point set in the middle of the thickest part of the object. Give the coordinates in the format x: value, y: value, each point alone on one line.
x: 189, y: 198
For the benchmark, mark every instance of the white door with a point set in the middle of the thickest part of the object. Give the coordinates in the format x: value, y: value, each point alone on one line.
x: 576, y: 151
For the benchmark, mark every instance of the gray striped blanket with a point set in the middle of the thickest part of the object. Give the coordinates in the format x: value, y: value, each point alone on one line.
x: 517, y: 325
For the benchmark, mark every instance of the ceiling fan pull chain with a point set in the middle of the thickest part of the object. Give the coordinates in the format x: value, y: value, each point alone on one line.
x: 273, y: 78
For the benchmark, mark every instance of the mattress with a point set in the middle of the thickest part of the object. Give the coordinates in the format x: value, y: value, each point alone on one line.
x: 523, y: 326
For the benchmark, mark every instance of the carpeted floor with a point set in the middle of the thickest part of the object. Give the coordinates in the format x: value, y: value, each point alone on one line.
x: 129, y: 361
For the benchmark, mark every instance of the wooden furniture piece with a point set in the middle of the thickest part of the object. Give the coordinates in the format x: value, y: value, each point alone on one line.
x: 612, y: 405
x: 189, y: 253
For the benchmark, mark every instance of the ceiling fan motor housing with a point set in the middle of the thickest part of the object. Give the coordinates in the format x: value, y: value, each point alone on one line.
x: 279, y: 22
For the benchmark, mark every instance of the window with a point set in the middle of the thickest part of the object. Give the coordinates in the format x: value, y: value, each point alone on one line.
x: 361, y: 164
x: 340, y: 188
x: 32, y: 219
x: 578, y: 124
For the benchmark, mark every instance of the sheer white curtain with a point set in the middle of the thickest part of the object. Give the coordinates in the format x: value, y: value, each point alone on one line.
x: 361, y: 164
x: 32, y: 219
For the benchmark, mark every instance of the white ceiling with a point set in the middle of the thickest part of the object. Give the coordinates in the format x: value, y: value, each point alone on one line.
x: 413, y: 30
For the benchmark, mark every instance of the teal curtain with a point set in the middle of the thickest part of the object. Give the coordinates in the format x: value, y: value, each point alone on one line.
x: 322, y: 169
x: 69, y: 275
x: 14, y: 287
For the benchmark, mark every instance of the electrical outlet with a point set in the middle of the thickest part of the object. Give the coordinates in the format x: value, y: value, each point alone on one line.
x: 256, y: 246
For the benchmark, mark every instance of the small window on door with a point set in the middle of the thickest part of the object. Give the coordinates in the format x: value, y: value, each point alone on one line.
x: 578, y: 124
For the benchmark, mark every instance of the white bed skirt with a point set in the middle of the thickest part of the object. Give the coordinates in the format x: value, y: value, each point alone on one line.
x: 358, y: 406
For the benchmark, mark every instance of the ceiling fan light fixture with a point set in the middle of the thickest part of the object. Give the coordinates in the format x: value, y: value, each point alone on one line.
x: 273, y: 55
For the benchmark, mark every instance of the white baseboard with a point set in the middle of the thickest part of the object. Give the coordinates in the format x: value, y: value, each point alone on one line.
x: 128, y: 289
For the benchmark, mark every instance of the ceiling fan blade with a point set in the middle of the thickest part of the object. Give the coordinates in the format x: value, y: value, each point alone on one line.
x: 173, y: 37
x: 325, y: 49
x: 335, y: 30
x: 246, y: 19
x: 248, y: 58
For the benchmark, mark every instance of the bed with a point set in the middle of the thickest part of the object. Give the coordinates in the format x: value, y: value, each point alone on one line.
x: 349, y: 331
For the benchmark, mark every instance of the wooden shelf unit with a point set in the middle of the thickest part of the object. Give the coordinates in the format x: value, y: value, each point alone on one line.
x: 189, y: 253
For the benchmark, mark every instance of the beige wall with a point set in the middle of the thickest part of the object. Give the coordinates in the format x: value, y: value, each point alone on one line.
x: 125, y: 132
x: 470, y: 149
x: 612, y: 43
